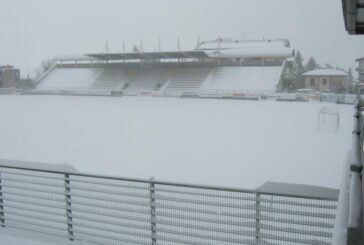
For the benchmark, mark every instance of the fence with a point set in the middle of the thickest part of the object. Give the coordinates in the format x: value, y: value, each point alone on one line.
x: 112, y: 210
x: 349, y: 220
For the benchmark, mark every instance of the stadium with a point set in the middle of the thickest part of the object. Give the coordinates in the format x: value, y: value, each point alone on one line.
x: 221, y: 68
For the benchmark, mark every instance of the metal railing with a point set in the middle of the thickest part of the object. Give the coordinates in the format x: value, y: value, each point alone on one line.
x: 349, y: 220
x: 112, y: 210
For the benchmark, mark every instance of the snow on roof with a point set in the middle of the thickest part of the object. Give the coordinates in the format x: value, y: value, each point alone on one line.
x: 233, y: 44
x: 78, y: 57
x: 244, y: 48
x: 325, y: 72
x: 274, y: 52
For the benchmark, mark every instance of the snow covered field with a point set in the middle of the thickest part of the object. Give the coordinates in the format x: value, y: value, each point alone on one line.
x: 216, y: 142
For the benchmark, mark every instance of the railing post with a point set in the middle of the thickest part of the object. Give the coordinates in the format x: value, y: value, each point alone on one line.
x: 153, y: 220
x: 2, y: 217
x: 257, y: 218
x: 68, y: 205
x: 355, y: 219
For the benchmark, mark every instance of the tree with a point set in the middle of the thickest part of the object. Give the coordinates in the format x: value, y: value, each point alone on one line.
x: 286, y: 82
x: 350, y: 77
x: 44, y: 67
x: 298, y: 70
x: 350, y: 85
x: 311, y: 64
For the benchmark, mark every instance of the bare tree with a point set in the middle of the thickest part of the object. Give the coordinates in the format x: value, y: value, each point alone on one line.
x: 44, y: 67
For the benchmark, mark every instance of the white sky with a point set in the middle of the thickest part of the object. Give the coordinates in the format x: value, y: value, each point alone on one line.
x: 31, y: 31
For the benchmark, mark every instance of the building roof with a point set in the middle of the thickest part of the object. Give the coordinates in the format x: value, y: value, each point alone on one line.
x: 248, y: 52
x: 220, y: 48
x: 228, y: 43
x: 325, y: 72
x: 150, y: 55
x: 353, y: 11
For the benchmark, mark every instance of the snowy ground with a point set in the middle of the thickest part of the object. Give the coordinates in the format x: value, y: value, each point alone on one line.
x: 215, y: 142
x: 14, y: 240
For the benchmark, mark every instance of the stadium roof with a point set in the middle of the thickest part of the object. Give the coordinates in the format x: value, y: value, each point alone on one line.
x: 325, y: 72
x: 353, y: 11
x: 150, y: 55
x: 228, y: 43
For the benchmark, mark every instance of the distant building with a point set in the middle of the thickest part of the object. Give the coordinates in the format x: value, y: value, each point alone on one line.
x: 10, y: 78
x: 360, y: 69
x: 325, y: 80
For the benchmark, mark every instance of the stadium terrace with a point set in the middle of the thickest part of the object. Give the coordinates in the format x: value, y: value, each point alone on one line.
x: 219, y: 68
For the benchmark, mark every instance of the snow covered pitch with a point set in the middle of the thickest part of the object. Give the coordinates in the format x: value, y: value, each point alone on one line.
x: 215, y: 142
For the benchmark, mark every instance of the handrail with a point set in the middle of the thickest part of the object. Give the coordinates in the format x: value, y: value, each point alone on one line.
x: 165, y: 183
x: 349, y: 220
x: 86, y: 207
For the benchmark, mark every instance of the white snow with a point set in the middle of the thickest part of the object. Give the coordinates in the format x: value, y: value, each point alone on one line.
x: 215, y: 142
x: 325, y: 72
x: 252, y: 52
x: 251, y: 78
x: 243, y: 78
x: 13, y: 240
x: 70, y: 78
x: 230, y: 43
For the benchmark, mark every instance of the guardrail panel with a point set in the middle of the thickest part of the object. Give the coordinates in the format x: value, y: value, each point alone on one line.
x: 112, y: 210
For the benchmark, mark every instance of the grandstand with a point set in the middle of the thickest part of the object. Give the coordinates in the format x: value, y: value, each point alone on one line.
x: 219, y: 68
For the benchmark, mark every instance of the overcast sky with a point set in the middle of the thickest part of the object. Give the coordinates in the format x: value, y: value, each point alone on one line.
x: 35, y: 30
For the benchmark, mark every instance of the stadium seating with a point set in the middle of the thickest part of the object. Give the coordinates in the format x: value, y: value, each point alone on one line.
x: 111, y: 79
x: 187, y: 79
x: 148, y: 79
x: 164, y: 80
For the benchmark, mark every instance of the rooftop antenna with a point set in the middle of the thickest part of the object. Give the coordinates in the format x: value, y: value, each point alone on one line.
x: 123, y: 46
x: 198, y: 42
x: 141, y: 45
x: 159, y: 45
x: 178, y: 44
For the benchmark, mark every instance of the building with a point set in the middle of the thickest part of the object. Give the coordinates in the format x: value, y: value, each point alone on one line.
x: 360, y: 70
x: 222, y: 67
x: 325, y: 80
x: 353, y: 11
x: 10, y: 78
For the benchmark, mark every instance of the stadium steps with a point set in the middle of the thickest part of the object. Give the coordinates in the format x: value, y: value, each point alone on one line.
x: 188, y: 79
x: 148, y: 80
x: 111, y: 79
